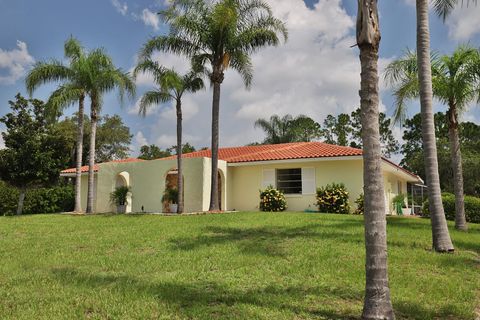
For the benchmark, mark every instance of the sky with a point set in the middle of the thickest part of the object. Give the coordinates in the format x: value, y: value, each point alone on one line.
x: 316, y: 72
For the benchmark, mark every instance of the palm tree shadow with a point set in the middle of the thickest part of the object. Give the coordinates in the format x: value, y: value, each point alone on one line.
x: 211, y: 297
x: 262, y: 240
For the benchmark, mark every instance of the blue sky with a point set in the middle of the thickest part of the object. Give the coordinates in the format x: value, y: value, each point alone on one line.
x: 315, y: 73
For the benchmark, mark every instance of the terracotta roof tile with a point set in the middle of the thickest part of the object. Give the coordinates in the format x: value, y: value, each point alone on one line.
x: 95, y: 167
x: 285, y: 151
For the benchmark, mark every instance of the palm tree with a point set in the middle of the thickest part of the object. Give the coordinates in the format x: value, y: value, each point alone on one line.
x: 440, y: 235
x: 455, y: 83
x: 171, y: 86
x: 103, y: 77
x: 377, y: 304
x: 218, y: 34
x: 72, y: 90
x: 278, y: 129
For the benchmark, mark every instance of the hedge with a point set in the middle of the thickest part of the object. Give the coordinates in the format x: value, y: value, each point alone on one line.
x: 472, y: 207
x: 333, y: 198
x: 42, y: 200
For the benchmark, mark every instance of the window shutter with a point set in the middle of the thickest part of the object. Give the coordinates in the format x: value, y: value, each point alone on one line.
x: 308, y: 181
x: 268, y: 178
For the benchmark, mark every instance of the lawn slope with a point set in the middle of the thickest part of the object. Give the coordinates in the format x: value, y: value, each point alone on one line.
x: 228, y: 266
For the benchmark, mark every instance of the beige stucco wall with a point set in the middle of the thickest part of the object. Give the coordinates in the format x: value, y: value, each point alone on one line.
x: 147, y: 180
x: 240, y: 184
x: 248, y: 180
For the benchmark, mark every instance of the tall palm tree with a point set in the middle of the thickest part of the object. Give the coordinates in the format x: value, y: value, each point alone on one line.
x: 72, y: 90
x: 456, y: 83
x: 440, y: 235
x: 218, y: 34
x: 377, y: 303
x: 103, y: 77
x: 171, y: 86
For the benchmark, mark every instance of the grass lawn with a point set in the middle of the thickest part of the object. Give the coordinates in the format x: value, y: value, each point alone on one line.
x: 228, y: 266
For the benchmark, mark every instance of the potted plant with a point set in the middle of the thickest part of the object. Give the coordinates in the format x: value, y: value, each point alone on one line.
x: 171, y: 197
x: 399, y: 203
x: 119, y: 198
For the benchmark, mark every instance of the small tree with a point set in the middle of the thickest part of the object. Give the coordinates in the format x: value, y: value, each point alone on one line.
x: 35, y: 152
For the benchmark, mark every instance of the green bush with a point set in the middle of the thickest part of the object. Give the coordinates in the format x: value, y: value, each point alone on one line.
x: 42, y: 200
x: 333, y: 198
x: 472, y: 207
x: 272, y: 200
x: 360, y: 203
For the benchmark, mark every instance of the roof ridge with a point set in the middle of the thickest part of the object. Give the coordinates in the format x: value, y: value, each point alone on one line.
x: 286, y: 146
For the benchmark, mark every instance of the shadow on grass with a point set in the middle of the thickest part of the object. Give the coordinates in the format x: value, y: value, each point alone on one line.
x: 262, y: 240
x: 206, y: 300
x: 201, y: 299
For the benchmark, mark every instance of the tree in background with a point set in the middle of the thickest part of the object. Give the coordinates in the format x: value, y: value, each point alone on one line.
x: 337, y: 130
x: 345, y: 130
x: 456, y: 84
x: 186, y: 148
x: 73, y: 89
x: 113, y: 137
x: 288, y: 129
x: 153, y: 152
x: 389, y: 144
x: 412, y: 151
x: 171, y: 86
x: 217, y: 35
x: 35, y: 151
x: 377, y: 303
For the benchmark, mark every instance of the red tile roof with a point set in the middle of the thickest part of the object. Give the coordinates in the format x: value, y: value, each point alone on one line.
x: 285, y: 151
x: 95, y: 167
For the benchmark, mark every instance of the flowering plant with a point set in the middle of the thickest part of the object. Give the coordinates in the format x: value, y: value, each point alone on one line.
x: 272, y: 199
x: 333, y: 198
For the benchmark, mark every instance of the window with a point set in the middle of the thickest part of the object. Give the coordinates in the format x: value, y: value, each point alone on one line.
x: 289, y: 181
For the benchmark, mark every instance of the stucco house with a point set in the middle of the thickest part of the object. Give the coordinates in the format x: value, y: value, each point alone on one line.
x: 297, y: 169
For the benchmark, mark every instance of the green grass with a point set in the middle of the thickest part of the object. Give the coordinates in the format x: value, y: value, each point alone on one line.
x: 229, y: 266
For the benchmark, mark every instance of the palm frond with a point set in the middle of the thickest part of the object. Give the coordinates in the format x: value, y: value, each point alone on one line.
x: 242, y: 63
x: 150, y: 98
x: 170, y: 44
x: 47, y: 71
x: 73, y: 49
x: 63, y: 97
x: 443, y: 8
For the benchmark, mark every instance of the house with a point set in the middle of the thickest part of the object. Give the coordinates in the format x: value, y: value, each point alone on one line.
x: 297, y: 169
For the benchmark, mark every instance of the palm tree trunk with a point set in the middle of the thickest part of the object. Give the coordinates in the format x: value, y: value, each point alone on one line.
x: 21, y: 201
x: 91, y: 159
x: 179, y: 157
x: 78, y: 171
x: 377, y: 304
x: 456, y: 154
x: 217, y: 80
x: 440, y: 235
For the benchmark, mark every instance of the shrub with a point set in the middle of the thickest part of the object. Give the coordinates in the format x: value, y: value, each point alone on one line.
x: 170, y: 195
x: 359, y: 202
x: 42, y: 200
x: 333, y: 198
x: 272, y: 200
x: 119, y: 196
x: 472, y: 208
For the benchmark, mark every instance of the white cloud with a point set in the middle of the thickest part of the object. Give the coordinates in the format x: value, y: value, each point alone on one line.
x: 122, y: 8
x: 150, y: 18
x: 13, y: 63
x: 464, y: 22
x: 138, y: 142
x: 2, y: 143
x: 315, y: 73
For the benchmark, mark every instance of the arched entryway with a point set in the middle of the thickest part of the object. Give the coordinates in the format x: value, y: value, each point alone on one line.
x: 171, y: 182
x: 123, y: 180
